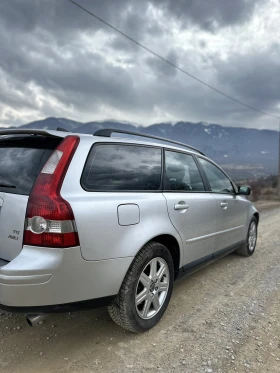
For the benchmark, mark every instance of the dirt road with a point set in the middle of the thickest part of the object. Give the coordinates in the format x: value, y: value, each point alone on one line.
x: 224, y: 318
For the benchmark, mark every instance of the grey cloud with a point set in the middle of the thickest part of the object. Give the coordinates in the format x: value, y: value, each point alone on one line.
x: 131, y: 16
x: 64, y: 70
x: 162, y: 68
x: 46, y: 68
x: 61, y: 15
x: 66, y: 22
x: 253, y: 77
x: 210, y: 14
x: 87, y: 78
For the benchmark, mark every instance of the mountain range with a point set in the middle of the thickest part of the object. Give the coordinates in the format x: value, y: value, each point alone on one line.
x: 243, y: 152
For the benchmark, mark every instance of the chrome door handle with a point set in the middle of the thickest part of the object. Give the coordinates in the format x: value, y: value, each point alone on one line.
x: 181, y: 206
x: 224, y: 204
x: 1, y: 202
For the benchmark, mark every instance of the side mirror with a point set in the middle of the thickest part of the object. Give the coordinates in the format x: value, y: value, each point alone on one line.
x: 244, y: 190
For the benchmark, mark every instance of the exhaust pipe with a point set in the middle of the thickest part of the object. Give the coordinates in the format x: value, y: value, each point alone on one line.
x: 33, y: 320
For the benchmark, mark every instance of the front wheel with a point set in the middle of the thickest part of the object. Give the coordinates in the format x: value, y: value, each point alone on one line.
x: 146, y: 289
x: 249, y: 247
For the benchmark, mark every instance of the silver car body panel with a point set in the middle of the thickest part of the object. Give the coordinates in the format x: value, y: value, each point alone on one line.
x: 40, y: 276
x: 98, y: 213
x: 199, y: 219
x: 112, y: 228
x: 232, y: 220
x: 12, y: 218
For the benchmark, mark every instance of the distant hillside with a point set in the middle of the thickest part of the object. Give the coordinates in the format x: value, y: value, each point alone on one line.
x: 243, y: 152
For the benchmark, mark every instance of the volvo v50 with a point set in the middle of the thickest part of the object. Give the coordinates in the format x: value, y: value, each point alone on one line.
x: 94, y: 220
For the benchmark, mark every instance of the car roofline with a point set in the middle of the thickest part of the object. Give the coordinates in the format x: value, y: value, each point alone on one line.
x: 96, y: 139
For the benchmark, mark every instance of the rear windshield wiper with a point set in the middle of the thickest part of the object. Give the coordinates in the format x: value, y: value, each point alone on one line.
x: 6, y: 185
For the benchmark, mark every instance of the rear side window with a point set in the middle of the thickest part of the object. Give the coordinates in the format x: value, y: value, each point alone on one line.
x: 21, y: 160
x: 118, y: 167
x: 182, y: 173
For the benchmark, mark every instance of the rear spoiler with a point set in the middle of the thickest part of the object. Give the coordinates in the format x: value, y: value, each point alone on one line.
x: 31, y: 132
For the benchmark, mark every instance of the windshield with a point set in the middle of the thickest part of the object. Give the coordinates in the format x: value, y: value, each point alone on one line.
x: 21, y: 160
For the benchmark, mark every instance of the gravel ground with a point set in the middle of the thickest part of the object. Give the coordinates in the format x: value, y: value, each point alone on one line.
x: 267, y: 205
x: 224, y: 318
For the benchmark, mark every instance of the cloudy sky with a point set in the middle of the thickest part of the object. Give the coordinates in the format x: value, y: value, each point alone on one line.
x: 56, y: 60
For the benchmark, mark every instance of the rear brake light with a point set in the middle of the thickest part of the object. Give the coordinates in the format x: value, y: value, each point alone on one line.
x: 49, y: 218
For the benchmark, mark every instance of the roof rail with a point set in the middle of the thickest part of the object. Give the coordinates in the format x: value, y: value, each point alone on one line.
x: 61, y: 129
x: 106, y: 132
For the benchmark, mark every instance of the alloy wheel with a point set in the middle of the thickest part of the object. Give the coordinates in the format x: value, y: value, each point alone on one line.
x: 252, y: 237
x: 152, y: 288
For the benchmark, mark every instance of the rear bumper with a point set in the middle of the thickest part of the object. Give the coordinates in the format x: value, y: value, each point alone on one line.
x: 56, y: 280
x: 60, y: 308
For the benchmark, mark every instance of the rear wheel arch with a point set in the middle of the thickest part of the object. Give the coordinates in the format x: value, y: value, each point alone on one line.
x: 171, y: 243
x: 124, y: 310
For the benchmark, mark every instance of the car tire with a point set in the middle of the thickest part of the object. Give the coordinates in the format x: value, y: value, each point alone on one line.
x: 146, y: 289
x: 249, y: 246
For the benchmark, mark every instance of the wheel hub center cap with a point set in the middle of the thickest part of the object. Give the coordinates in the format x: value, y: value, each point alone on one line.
x: 153, y: 287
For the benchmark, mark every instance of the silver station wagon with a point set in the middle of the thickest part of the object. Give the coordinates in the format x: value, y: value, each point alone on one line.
x: 89, y: 221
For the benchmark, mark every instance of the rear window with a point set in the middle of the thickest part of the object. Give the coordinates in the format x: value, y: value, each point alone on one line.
x: 115, y: 167
x: 21, y: 160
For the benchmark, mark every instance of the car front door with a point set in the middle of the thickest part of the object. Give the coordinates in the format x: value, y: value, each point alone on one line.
x: 231, y: 208
x: 192, y: 211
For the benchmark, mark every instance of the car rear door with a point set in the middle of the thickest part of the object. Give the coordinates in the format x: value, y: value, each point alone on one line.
x: 21, y: 159
x: 192, y: 211
x: 232, y: 210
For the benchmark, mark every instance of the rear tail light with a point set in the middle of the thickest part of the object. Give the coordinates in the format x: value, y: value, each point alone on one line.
x: 49, y: 218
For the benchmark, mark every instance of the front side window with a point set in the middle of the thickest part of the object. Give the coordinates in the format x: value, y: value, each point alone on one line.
x: 118, y: 167
x: 182, y: 173
x: 219, y: 182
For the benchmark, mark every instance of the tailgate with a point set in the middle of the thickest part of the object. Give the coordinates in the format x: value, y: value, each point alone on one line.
x: 12, y: 216
x: 21, y: 160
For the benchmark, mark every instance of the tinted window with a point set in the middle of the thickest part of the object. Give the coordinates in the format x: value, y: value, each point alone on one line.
x: 217, y: 179
x: 122, y: 167
x: 182, y: 172
x: 21, y: 160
